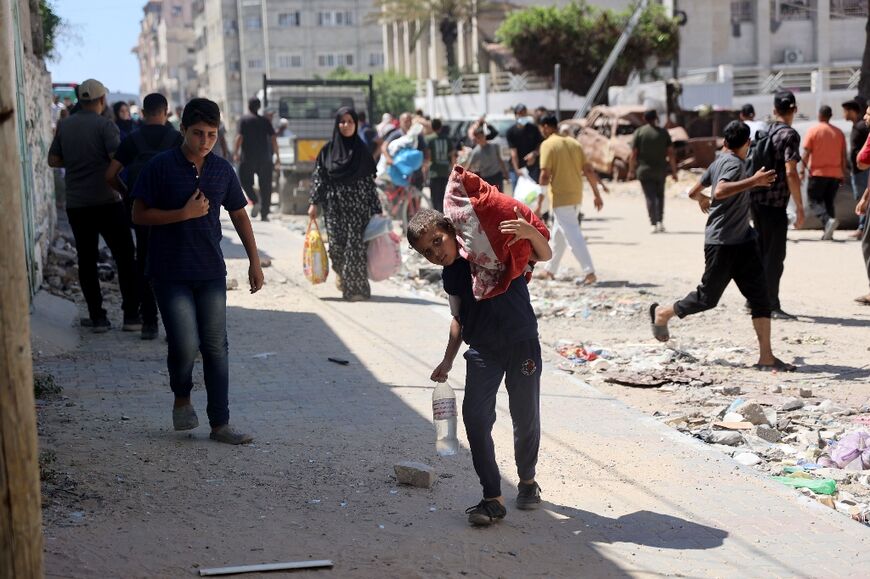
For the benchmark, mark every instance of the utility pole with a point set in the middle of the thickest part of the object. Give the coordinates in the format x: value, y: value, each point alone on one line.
x: 20, y: 512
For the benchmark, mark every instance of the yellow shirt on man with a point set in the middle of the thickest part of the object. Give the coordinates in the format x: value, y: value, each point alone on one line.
x: 563, y: 159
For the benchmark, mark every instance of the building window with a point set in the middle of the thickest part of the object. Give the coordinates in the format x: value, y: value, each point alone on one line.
x: 791, y: 9
x: 253, y: 22
x: 849, y: 9
x: 255, y: 63
x: 177, y: 10
x: 290, y: 19
x: 289, y: 61
x: 331, y: 60
x: 743, y: 11
x: 335, y: 18
x: 231, y: 27
x: 376, y: 59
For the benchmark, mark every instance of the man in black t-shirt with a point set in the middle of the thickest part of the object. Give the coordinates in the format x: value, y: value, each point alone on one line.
x: 524, y: 140
x: 154, y: 136
x: 258, y: 142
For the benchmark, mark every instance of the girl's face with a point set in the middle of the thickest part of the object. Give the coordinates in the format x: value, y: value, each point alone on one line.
x: 124, y: 113
x: 438, y: 246
x: 346, y: 126
x: 867, y: 115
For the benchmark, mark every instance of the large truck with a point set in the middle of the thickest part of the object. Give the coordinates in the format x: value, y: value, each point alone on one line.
x: 303, y: 115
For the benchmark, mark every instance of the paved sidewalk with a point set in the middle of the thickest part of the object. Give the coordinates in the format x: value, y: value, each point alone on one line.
x: 626, y: 496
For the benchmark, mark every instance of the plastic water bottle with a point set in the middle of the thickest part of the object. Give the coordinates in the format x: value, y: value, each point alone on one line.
x: 444, y: 416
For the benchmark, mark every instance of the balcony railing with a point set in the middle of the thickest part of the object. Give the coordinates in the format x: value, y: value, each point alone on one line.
x: 498, y: 82
x: 751, y: 81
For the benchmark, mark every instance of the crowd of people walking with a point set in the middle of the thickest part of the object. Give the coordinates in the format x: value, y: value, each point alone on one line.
x: 152, y: 184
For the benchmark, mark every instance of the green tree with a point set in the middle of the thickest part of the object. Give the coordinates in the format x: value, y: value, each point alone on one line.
x: 394, y: 93
x: 580, y: 37
x: 448, y: 14
x: 51, y: 26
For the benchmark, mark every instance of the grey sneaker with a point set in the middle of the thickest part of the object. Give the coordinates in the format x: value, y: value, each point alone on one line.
x: 184, y: 418
x: 228, y: 435
x: 529, y: 496
x: 830, y: 228
x: 255, y: 210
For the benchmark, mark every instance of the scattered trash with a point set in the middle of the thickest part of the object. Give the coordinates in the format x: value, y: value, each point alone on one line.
x: 266, y: 567
x: 264, y: 355
x: 341, y: 361
x: 747, y: 458
x: 820, y: 486
x: 232, y: 283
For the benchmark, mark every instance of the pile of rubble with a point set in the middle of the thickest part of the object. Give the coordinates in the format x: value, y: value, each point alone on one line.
x: 817, y: 447
x: 61, y: 271
x: 636, y: 365
x: 568, y: 298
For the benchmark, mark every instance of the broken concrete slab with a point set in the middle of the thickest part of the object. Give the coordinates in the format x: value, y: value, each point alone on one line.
x: 792, y: 404
x: 415, y: 474
x: 767, y: 433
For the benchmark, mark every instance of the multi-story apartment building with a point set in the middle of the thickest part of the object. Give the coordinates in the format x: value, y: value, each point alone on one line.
x: 165, y: 50
x: 238, y: 41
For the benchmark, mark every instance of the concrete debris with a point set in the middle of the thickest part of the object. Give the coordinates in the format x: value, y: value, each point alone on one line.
x: 806, y: 393
x: 754, y: 413
x: 767, y: 433
x: 415, y: 474
x: 728, y: 438
x: 747, y: 458
x: 792, y: 404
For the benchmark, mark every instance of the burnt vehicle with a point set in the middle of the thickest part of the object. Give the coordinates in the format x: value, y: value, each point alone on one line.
x: 607, y: 132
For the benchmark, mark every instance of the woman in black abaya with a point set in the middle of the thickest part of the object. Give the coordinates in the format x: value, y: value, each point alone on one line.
x: 343, y: 185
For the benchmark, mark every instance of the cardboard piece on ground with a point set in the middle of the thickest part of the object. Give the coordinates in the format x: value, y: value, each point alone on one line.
x: 733, y: 425
x: 265, y: 567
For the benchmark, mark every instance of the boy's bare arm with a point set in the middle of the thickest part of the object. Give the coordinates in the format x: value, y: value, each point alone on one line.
x: 243, y: 227
x: 453, y: 343
x: 762, y: 178
x: 196, y: 206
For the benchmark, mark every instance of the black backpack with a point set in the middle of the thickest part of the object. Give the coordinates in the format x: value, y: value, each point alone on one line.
x: 145, y: 152
x: 762, y: 152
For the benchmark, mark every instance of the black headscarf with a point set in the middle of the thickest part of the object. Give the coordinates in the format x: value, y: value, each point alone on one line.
x: 346, y: 159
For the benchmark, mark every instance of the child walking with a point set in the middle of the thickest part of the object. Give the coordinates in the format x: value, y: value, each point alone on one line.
x: 502, y: 335
x: 730, y: 248
x: 179, y: 194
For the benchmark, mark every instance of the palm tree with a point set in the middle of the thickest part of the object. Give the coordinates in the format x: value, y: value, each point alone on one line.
x: 448, y: 14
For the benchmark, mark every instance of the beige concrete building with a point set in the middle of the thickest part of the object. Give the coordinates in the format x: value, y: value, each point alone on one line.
x: 416, y: 49
x: 165, y: 50
x: 771, y: 34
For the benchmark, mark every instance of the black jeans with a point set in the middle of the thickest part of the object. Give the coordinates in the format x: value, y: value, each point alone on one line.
x: 722, y: 263
x: 821, y: 192
x: 520, y: 366
x: 437, y: 187
x: 771, y: 223
x: 148, y: 305
x: 112, y: 223
x: 654, y: 191
x: 263, y: 171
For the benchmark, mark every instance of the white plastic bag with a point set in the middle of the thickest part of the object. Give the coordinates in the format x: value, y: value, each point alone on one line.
x: 378, y: 225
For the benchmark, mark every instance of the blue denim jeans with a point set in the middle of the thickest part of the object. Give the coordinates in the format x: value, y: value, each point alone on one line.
x: 859, y: 185
x: 195, y: 316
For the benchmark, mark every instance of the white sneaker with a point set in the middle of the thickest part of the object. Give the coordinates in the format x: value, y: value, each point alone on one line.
x: 655, y: 229
x: 830, y: 227
x: 661, y: 227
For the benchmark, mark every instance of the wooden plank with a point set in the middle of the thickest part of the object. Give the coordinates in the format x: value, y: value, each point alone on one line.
x: 290, y: 565
x: 733, y: 425
x: 20, y: 513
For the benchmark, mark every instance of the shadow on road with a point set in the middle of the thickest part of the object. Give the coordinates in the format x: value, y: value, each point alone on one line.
x: 641, y: 528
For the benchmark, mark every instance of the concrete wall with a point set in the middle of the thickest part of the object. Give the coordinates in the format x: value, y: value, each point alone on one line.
x: 38, y: 131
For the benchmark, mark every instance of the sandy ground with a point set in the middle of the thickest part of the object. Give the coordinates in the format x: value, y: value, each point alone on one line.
x: 125, y: 495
